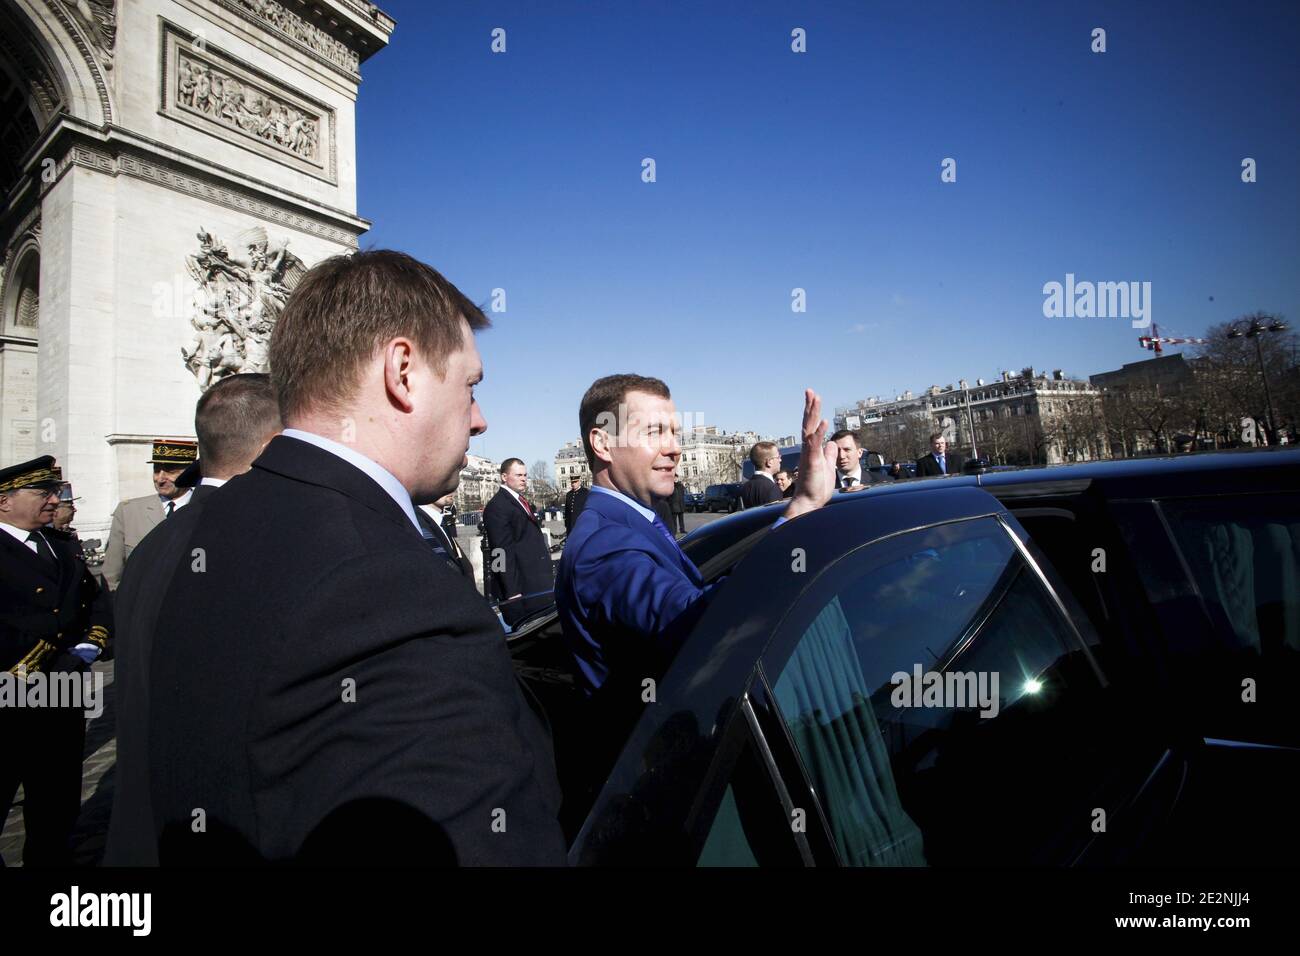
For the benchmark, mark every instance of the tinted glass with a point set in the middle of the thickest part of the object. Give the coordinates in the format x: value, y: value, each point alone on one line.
x: 1243, y: 552
x: 750, y: 827
x: 975, y: 763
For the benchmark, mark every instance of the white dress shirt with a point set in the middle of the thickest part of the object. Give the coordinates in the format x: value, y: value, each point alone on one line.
x: 176, y: 503
x: 20, y: 535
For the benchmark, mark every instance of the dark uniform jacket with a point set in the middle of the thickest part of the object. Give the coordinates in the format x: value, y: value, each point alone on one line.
x: 573, y: 504
x: 329, y: 690
x: 678, y: 499
x: 46, y: 611
x: 525, y: 567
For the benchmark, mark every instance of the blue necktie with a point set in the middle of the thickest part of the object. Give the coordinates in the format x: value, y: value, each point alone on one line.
x: 663, y: 530
x: 942, y: 467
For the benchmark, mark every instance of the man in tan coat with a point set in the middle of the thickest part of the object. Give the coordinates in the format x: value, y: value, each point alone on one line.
x: 136, y: 517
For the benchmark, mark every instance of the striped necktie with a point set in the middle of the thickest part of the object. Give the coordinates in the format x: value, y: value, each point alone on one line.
x: 435, y: 541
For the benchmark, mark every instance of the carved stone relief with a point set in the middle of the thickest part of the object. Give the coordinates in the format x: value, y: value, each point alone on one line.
x: 240, y: 296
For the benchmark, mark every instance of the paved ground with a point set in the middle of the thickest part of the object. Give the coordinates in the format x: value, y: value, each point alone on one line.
x: 96, y: 789
x: 97, y: 778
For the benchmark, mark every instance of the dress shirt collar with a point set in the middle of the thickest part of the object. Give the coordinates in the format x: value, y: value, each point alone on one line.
x: 213, y: 482
x: 766, y: 475
x: 634, y: 505
x: 377, y: 472
x: 18, y: 533
x: 855, y: 474
x: 177, y: 503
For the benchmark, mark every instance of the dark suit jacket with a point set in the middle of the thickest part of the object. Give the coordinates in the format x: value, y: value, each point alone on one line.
x: 927, y: 465
x: 573, y: 505
x: 153, y: 563
x: 759, y: 491
x: 678, y: 499
x: 329, y: 690
x: 526, y: 565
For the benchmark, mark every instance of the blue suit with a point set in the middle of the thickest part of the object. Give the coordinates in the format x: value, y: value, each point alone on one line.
x: 626, y: 595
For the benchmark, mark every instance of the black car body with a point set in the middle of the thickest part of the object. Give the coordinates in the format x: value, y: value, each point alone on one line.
x: 1146, y: 614
x: 721, y: 498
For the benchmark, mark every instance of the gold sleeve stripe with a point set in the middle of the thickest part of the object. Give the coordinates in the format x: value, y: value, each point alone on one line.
x: 35, y: 657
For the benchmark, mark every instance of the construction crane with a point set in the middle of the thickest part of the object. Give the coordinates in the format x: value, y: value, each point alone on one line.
x: 1153, y: 341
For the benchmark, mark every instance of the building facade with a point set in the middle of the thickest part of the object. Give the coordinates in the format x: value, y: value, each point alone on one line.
x: 1023, y: 418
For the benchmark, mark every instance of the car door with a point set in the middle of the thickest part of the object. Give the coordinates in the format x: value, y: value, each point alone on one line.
x: 946, y: 709
x: 1021, y: 756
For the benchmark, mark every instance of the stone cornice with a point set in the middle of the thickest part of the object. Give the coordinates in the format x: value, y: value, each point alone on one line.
x: 116, y: 151
x: 338, y: 33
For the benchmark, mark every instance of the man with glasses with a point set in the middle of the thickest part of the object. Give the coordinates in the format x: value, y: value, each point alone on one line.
x: 136, y: 517
x: 55, y: 619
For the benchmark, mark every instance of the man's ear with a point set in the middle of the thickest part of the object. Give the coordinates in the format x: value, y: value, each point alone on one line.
x: 398, y: 356
x: 600, y: 443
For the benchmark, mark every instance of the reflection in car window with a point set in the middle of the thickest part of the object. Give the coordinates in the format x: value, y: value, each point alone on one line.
x: 1244, y: 551
x: 956, y: 599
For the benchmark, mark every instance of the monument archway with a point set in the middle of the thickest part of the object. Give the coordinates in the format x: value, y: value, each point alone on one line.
x: 169, y: 169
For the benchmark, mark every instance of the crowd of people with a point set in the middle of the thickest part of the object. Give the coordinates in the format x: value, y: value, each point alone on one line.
x: 305, y: 669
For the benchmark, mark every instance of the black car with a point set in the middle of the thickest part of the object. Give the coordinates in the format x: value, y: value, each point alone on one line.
x: 693, y: 501
x: 1143, y: 616
x: 721, y: 498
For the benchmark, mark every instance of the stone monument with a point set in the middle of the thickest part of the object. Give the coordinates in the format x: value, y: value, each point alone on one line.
x: 169, y: 170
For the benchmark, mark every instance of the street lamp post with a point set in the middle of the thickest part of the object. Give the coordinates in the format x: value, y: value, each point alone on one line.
x: 1257, y: 329
x: 970, y: 416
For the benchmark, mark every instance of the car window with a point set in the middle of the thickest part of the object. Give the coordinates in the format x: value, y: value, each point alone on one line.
x: 973, y: 764
x: 1243, y: 551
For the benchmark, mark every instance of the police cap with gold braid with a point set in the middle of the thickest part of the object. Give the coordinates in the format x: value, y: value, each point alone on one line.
x: 37, y: 473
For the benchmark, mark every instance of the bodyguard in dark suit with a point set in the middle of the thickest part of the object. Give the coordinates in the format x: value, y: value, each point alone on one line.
x: 55, y: 619
x: 520, y: 560
x: 761, y: 489
x: 234, y: 420
x: 938, y: 461
x: 328, y: 688
x: 574, y: 501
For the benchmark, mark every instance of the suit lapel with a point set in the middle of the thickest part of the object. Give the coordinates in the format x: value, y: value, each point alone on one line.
x: 616, y: 510
x: 153, y: 510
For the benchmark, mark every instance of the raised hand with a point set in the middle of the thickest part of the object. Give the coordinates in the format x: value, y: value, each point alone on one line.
x: 816, y: 460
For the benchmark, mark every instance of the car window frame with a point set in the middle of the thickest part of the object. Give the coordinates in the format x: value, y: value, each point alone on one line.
x: 785, y: 637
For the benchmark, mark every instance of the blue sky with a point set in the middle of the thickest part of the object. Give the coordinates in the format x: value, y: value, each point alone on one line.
x: 776, y: 170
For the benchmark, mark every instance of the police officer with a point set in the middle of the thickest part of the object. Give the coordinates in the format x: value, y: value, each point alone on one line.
x: 55, y: 619
x: 136, y: 517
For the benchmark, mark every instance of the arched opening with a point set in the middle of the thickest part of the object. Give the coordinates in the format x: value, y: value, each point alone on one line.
x: 20, y: 297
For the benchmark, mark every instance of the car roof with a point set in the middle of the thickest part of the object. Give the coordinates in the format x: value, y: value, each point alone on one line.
x: 1072, y: 478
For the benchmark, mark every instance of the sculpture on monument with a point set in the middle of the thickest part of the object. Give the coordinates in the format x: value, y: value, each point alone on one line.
x: 239, y: 299
x: 209, y: 91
